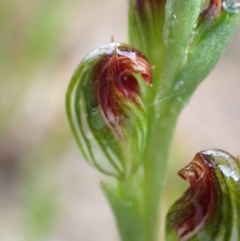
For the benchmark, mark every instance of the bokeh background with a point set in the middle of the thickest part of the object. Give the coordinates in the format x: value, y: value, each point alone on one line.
x: 47, y: 191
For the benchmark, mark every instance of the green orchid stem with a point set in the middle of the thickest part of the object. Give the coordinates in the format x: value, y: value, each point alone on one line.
x: 156, y: 163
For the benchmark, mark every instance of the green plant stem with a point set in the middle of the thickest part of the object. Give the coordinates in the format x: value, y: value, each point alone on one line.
x: 156, y: 161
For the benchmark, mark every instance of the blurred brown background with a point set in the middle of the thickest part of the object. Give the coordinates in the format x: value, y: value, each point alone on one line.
x: 47, y: 192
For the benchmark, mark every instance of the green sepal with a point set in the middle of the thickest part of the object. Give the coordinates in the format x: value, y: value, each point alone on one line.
x: 84, y: 118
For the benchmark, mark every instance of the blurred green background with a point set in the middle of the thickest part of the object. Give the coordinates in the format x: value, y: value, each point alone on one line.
x: 47, y: 192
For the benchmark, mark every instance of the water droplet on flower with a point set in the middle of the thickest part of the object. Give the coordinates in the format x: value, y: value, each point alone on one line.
x: 231, y: 6
x: 96, y: 120
x: 94, y: 111
x: 178, y: 85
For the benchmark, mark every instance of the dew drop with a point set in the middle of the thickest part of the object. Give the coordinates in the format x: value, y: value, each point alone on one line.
x: 94, y: 111
x: 179, y: 99
x: 178, y: 85
x: 129, y: 203
x: 231, y: 6
x: 96, y: 119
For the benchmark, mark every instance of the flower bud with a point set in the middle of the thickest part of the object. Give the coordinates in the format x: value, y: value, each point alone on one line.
x: 146, y: 18
x: 210, y: 208
x: 105, y: 109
